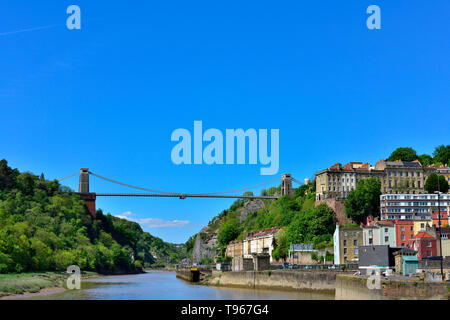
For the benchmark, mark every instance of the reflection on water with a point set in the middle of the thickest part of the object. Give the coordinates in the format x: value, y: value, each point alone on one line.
x: 160, y: 285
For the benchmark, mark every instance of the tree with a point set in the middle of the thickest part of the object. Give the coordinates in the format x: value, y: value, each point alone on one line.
x: 442, y: 154
x: 425, y: 160
x: 404, y: 154
x: 229, y: 231
x: 364, y: 200
x: 431, y: 185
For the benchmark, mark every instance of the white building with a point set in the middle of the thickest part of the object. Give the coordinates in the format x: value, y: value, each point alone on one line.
x: 262, y: 241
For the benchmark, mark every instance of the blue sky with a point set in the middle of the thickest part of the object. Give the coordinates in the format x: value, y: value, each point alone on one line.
x: 108, y: 96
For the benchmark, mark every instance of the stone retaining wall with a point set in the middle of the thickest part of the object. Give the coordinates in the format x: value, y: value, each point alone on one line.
x: 349, y: 287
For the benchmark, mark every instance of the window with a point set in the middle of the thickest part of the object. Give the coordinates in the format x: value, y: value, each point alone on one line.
x: 356, y: 251
x: 428, y: 253
x: 355, y: 242
x: 386, y: 239
x: 355, y: 234
x: 429, y: 244
x: 403, y: 237
x: 412, y: 228
x: 402, y: 228
x: 345, y: 250
x: 386, y: 230
x: 345, y: 234
x: 345, y: 242
x: 370, y: 240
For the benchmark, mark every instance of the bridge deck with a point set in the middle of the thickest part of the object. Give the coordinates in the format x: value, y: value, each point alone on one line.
x: 180, y: 195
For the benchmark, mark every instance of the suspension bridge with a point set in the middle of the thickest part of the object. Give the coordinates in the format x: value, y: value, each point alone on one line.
x: 90, y: 197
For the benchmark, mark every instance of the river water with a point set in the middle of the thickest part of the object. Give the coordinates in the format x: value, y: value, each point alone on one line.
x: 163, y: 285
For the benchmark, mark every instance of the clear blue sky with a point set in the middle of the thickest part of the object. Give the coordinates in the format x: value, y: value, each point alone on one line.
x: 108, y: 96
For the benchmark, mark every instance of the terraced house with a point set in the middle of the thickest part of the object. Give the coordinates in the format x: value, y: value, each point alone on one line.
x: 346, y: 242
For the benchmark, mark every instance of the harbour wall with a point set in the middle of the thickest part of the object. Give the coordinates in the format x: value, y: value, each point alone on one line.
x: 350, y: 287
x: 324, y: 281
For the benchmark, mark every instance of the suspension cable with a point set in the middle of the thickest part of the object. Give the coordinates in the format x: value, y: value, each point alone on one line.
x: 129, y: 185
x: 159, y: 191
x: 68, y: 177
x: 251, y: 187
x: 295, y: 180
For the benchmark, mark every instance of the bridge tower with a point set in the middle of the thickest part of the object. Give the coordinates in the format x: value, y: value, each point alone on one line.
x: 83, y: 190
x: 286, y: 184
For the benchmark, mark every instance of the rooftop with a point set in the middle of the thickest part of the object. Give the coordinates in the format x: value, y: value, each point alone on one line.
x: 423, y: 235
x: 263, y: 233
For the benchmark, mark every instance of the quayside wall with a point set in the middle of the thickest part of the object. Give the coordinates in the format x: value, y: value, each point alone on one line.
x: 350, y: 287
x: 323, y: 281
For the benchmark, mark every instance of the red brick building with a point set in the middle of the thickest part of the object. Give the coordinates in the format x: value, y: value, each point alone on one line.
x: 424, y: 244
x: 404, y: 231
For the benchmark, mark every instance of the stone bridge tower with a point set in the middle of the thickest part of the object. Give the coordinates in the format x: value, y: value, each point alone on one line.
x: 83, y: 190
x: 286, y: 184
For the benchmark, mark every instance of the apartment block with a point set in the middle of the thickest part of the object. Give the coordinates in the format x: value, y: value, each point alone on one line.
x: 413, y: 206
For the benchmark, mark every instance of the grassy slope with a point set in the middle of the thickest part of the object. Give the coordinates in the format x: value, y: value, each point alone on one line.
x: 18, y: 283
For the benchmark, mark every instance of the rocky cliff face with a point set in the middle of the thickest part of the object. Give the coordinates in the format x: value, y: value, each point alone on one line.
x: 205, y: 244
x: 206, y: 240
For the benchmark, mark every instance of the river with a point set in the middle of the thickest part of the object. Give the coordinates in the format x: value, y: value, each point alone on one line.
x: 163, y: 285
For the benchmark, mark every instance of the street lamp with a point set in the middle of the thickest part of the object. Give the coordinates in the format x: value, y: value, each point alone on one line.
x: 440, y: 235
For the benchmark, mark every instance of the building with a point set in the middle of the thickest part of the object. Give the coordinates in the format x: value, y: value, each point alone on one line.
x: 346, y: 243
x: 379, y: 256
x: 260, y: 242
x: 424, y: 244
x: 406, y: 261
x: 234, y: 249
x: 445, y: 240
x: 379, y: 233
x: 337, y: 181
x: 397, y: 177
x: 404, y: 231
x: 412, y: 206
x: 305, y: 254
x: 402, y: 176
x: 443, y: 216
x: 445, y: 248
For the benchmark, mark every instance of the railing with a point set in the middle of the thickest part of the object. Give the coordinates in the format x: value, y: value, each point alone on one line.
x: 342, y: 267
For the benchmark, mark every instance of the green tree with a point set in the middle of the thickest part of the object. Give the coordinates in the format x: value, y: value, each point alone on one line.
x: 432, y: 184
x: 404, y: 154
x: 229, y: 231
x: 425, y: 160
x: 364, y: 200
x: 442, y: 154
